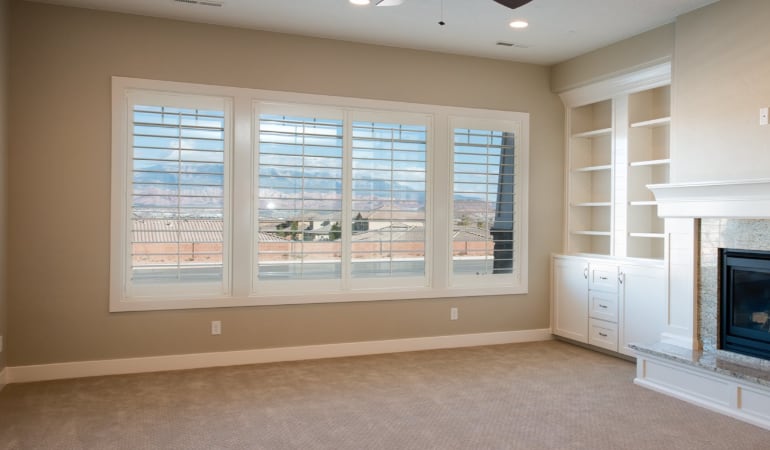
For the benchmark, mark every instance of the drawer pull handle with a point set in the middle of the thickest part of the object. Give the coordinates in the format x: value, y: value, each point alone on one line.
x: 602, y: 334
x: 585, y: 273
x: 603, y: 278
x: 603, y: 306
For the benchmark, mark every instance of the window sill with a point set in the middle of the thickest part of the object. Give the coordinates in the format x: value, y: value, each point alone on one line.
x: 158, y: 304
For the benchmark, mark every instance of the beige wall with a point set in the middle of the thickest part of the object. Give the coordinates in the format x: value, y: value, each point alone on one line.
x: 721, y: 79
x: 62, y: 60
x: 634, y: 53
x: 4, y: 33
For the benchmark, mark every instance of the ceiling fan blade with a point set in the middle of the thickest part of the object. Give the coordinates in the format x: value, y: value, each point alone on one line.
x: 513, y: 4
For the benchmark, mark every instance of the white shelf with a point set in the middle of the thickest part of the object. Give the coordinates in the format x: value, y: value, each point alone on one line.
x: 616, y: 147
x: 591, y: 204
x: 659, y: 122
x: 652, y: 162
x: 648, y: 235
x: 594, y: 168
x: 592, y: 233
x: 593, y: 133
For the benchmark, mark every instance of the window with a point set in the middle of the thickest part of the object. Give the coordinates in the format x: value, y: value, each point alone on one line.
x: 176, y: 207
x: 342, y: 200
x: 486, y: 202
x: 300, y: 198
x: 389, y: 200
x: 230, y: 197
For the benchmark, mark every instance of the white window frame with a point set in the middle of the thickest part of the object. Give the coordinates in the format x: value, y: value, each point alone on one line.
x: 346, y: 283
x: 518, y: 274
x: 241, y: 285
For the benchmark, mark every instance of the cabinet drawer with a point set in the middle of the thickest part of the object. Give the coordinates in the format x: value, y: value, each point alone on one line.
x: 603, y: 277
x: 603, y: 334
x: 603, y: 305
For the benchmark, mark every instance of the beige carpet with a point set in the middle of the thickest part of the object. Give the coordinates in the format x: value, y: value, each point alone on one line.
x: 547, y: 395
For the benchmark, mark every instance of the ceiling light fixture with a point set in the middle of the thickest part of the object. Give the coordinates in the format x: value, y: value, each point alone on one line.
x: 519, y: 24
x: 360, y: 2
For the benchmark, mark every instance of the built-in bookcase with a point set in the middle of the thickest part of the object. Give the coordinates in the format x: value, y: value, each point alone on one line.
x: 648, y: 163
x: 590, y: 178
x: 616, y: 147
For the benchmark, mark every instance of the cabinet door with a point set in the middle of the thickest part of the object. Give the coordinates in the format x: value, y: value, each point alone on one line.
x: 643, y: 300
x: 570, y: 298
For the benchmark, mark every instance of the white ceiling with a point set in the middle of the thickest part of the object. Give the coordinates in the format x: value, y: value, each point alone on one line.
x: 559, y: 29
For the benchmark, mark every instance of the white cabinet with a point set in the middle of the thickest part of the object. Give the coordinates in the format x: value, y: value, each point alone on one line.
x: 569, y: 297
x: 608, y: 303
x: 643, y: 293
x: 616, y: 143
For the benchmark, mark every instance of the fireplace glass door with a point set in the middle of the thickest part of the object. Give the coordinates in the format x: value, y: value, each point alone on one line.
x: 745, y: 302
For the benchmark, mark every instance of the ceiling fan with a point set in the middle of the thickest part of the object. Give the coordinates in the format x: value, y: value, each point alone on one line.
x: 513, y: 4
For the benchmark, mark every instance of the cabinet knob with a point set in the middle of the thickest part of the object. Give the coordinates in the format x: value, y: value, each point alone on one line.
x: 620, y: 277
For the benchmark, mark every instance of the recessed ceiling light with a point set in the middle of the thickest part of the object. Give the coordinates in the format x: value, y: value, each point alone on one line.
x: 519, y: 24
x: 360, y: 2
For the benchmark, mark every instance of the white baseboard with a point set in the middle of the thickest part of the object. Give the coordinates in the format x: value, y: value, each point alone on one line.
x: 78, y: 369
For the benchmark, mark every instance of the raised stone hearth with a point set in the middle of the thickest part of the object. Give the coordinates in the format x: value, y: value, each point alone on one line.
x: 735, y: 388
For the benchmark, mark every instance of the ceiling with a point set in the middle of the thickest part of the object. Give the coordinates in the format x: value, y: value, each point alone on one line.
x: 559, y: 29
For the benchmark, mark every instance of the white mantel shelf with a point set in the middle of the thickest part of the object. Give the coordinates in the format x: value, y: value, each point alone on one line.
x: 738, y: 198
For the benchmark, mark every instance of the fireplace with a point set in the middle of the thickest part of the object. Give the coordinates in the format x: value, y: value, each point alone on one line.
x: 744, y: 302
x: 727, y: 367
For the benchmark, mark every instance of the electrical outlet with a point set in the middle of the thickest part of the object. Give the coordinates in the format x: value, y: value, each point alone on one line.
x: 216, y: 327
x: 453, y: 313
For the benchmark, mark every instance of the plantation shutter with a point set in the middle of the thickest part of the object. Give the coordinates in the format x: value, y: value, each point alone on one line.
x: 483, y: 202
x: 389, y: 200
x: 178, y: 194
x: 300, y: 197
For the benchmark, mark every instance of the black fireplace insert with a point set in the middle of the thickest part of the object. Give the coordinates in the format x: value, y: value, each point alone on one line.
x: 744, y: 306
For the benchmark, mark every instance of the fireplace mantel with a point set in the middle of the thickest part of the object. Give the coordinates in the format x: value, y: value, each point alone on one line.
x: 748, y: 199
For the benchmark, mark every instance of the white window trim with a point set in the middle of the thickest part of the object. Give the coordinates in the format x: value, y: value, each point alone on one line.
x: 242, y: 290
x: 521, y: 193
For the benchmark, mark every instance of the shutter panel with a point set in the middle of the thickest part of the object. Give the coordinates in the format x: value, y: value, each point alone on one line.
x: 178, y: 195
x: 483, y: 202
x: 389, y: 200
x: 300, y: 198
